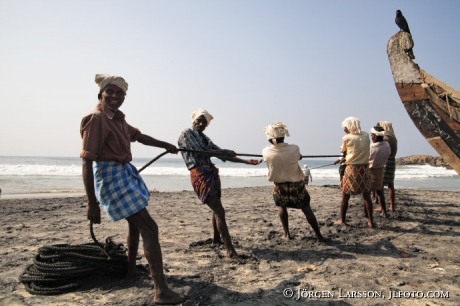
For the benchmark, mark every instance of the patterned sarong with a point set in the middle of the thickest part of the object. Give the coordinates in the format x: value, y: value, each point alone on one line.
x: 390, y: 169
x: 119, y: 189
x: 356, y: 179
x: 292, y: 195
x: 376, y: 178
x: 206, y: 182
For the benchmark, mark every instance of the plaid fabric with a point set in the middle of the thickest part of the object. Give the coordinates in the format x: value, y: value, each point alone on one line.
x: 119, y: 189
x: 390, y: 169
x: 192, y: 140
x: 356, y: 179
x: 206, y: 182
x: 376, y: 178
x: 291, y: 194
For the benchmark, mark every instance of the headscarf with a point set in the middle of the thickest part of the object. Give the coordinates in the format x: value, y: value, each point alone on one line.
x: 276, y: 130
x: 105, y: 79
x: 352, y: 124
x: 378, y: 133
x: 202, y: 112
x: 305, y: 166
x: 388, y: 127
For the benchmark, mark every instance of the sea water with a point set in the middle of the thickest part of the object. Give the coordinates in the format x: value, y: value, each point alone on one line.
x: 49, y: 176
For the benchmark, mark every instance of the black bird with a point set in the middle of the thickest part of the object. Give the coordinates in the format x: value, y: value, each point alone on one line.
x: 401, y: 22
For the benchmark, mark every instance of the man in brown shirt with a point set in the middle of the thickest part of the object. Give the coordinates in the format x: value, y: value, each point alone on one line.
x: 119, y: 188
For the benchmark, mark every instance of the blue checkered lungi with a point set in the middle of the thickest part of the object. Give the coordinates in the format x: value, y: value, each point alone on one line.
x: 119, y: 189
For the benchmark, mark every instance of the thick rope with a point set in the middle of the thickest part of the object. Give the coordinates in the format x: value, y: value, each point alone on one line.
x: 63, y: 268
x: 258, y: 155
x: 446, y: 96
x: 238, y: 154
x: 323, y: 166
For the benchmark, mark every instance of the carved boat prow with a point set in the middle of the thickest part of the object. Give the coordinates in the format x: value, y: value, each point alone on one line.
x: 433, y: 106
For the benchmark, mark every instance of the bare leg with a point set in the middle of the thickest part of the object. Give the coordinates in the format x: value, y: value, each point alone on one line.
x: 391, y: 189
x: 133, y: 245
x: 382, y: 207
x: 368, y: 203
x: 312, y: 221
x: 284, y: 217
x: 343, y: 209
x: 219, y: 213
x: 364, y: 214
x: 216, y: 236
x: 152, y: 251
x: 375, y: 197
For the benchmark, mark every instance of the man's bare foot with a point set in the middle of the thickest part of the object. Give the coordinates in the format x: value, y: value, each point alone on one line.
x: 287, y: 237
x: 392, y: 208
x: 217, y: 241
x: 234, y: 256
x: 340, y: 222
x: 378, y: 209
x: 370, y: 224
x: 168, y: 298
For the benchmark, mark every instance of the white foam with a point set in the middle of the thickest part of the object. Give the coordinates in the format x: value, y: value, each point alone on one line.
x: 402, y: 172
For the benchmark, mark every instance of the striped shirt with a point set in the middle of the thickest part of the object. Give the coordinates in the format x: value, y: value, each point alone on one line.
x: 192, y: 140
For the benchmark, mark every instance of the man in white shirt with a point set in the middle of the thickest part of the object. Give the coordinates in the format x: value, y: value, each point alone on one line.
x: 307, y: 174
x: 356, y: 179
x: 379, y: 152
x: 284, y: 171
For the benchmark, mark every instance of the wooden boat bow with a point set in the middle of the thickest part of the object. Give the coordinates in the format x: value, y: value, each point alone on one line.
x: 433, y: 106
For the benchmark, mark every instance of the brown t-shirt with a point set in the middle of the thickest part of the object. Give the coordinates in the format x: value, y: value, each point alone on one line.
x: 107, y: 136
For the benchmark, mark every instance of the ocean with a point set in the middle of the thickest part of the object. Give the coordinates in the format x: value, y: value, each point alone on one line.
x: 53, y: 176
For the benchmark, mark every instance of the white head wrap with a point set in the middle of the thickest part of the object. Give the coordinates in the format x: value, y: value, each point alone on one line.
x: 202, y: 112
x: 305, y: 166
x: 352, y: 124
x: 276, y: 130
x: 378, y: 133
x: 105, y: 79
x: 388, y: 127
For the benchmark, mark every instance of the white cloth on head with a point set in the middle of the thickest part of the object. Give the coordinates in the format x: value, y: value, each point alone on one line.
x: 105, y: 79
x: 378, y: 133
x: 352, y: 124
x: 276, y: 130
x: 202, y: 112
x: 388, y: 127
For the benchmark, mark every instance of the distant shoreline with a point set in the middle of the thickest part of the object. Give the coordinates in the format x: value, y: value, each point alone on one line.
x: 434, y: 161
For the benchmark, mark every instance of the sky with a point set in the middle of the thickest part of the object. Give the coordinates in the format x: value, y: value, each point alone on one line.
x: 309, y: 64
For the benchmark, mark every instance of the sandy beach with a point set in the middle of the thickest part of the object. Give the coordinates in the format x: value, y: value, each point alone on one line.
x: 411, y: 258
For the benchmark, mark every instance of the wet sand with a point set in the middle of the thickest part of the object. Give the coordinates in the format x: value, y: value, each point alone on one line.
x: 412, y: 253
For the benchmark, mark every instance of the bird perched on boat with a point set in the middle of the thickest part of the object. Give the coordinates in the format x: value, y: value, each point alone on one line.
x: 402, y: 22
x: 404, y: 27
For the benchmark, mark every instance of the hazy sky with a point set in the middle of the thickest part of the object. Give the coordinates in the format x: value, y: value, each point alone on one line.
x: 309, y: 64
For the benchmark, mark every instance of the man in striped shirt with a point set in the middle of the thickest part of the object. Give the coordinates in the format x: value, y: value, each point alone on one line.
x: 205, y: 176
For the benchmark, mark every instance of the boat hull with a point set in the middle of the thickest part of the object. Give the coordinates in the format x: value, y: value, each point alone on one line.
x: 434, y: 117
